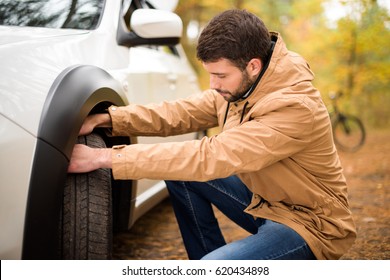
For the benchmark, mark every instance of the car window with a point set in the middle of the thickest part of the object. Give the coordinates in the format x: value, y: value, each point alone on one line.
x: 74, y: 14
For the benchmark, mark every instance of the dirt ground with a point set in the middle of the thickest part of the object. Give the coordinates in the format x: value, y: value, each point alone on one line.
x: 156, y: 235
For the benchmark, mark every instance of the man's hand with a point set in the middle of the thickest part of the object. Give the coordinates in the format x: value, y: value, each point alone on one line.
x: 97, y: 120
x: 85, y: 159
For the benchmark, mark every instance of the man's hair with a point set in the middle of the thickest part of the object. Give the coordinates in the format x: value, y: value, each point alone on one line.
x: 236, y: 35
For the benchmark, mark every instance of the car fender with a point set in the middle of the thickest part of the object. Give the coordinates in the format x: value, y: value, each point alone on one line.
x: 73, y: 95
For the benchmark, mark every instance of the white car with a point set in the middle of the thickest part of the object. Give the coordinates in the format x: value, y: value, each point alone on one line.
x: 61, y: 60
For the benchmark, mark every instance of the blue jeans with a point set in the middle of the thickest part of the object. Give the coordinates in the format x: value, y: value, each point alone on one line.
x: 202, y: 236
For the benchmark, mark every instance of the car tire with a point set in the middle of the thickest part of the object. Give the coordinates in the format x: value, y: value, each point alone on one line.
x: 86, y: 216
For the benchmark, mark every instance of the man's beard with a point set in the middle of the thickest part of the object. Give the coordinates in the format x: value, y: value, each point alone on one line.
x: 242, y: 89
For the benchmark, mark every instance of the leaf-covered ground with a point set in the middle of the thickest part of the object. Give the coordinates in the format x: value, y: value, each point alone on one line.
x: 156, y: 235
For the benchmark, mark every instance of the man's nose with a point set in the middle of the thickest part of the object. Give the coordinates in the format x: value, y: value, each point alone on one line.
x: 214, y: 83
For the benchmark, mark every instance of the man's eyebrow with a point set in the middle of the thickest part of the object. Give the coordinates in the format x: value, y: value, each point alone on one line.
x: 218, y: 73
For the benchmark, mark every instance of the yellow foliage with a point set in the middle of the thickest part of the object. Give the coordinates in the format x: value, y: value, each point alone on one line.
x: 353, y: 56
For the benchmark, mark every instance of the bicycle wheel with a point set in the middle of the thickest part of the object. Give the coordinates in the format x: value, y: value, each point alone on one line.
x: 348, y: 133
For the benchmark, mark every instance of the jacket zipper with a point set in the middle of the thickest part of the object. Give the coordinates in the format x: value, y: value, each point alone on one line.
x: 258, y: 205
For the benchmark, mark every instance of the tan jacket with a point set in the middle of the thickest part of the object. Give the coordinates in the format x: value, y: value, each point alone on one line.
x: 282, y: 150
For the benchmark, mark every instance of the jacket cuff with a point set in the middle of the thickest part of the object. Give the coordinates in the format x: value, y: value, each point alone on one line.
x: 119, y: 158
x: 118, y: 119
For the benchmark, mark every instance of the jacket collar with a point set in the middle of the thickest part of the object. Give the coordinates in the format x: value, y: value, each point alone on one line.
x: 253, y: 87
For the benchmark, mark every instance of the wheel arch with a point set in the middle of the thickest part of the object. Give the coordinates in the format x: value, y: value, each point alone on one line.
x: 76, y: 92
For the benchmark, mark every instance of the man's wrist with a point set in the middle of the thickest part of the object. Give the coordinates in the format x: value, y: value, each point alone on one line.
x: 104, y: 158
x: 104, y: 120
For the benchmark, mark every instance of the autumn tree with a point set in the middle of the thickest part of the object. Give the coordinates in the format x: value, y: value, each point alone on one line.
x: 351, y: 55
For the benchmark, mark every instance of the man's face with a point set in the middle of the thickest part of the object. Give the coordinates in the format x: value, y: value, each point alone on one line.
x: 228, y: 80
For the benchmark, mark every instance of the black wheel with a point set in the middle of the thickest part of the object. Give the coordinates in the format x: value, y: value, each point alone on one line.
x: 349, y: 133
x: 86, y: 218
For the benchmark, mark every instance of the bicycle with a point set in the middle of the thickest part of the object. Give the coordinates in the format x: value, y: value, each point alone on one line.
x: 349, y: 133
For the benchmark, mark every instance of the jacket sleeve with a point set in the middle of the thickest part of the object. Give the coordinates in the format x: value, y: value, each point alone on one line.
x: 198, y: 112
x: 248, y: 147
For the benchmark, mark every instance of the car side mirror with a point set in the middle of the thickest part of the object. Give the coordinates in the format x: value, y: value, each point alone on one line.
x: 151, y: 27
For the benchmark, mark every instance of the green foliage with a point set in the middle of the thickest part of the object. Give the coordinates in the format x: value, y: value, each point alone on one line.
x: 352, y: 55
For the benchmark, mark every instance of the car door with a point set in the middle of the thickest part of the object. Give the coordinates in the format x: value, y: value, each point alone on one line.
x: 155, y: 74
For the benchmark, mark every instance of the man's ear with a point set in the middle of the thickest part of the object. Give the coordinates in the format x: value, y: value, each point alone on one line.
x: 254, y: 67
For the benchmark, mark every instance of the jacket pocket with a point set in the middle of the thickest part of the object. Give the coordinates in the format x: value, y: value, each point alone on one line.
x: 300, y: 214
x: 307, y: 214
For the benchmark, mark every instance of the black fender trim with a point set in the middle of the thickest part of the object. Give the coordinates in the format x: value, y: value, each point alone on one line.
x: 75, y: 92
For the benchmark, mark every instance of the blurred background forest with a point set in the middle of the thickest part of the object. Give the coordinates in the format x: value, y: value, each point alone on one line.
x: 346, y: 43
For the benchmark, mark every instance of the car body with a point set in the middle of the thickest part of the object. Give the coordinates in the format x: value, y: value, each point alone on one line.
x: 101, y: 53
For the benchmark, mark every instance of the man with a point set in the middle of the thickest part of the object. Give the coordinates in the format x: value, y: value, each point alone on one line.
x: 273, y: 169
